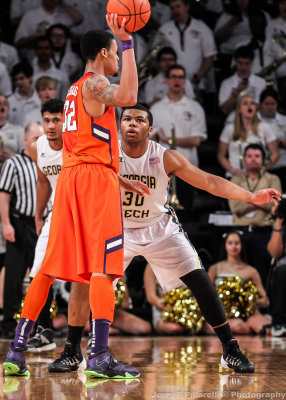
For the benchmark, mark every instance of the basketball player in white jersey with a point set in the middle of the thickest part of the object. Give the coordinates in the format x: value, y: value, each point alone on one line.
x: 151, y: 228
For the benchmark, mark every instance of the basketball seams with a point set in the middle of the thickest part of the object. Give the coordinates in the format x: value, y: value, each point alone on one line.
x: 136, y: 14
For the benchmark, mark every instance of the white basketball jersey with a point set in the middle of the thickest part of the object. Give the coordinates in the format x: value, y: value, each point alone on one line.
x: 140, y: 211
x: 49, y: 161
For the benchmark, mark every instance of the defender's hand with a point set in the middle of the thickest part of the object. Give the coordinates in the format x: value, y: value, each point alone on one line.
x: 266, y: 196
x: 134, y: 186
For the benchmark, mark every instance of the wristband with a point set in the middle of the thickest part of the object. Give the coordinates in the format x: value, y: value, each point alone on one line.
x: 127, y: 44
x: 277, y: 230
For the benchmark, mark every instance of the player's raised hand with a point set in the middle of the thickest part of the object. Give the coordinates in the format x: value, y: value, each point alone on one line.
x: 134, y: 186
x: 119, y: 31
x: 266, y: 196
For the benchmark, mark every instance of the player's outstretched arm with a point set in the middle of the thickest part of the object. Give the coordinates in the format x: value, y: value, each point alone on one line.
x: 176, y: 164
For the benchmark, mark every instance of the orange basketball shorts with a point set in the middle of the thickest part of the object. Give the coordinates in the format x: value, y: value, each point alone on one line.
x: 86, y: 233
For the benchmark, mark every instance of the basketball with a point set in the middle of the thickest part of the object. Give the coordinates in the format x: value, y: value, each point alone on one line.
x: 136, y: 12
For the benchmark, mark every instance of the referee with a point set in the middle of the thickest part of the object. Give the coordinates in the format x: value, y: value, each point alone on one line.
x: 18, y: 180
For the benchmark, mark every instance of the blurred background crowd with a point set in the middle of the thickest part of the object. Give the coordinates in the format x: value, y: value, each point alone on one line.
x: 213, y: 73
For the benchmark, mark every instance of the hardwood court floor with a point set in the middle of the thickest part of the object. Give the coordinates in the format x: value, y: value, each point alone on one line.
x: 171, y: 368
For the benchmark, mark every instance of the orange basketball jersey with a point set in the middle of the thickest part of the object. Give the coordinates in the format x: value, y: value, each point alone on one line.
x: 87, y: 139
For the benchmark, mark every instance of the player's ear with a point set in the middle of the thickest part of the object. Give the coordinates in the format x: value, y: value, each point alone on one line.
x: 150, y: 130
x: 104, y: 52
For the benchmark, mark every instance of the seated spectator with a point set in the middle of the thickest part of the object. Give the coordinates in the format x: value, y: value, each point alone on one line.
x: 157, y: 88
x: 276, y: 247
x: 8, y: 54
x: 11, y: 136
x: 161, y: 13
x: 25, y: 98
x: 247, y: 128
x: 5, y: 81
x: 63, y: 57
x: 43, y: 66
x: 188, y: 119
x: 255, y: 220
x: 127, y: 322
x: 274, y: 49
x: 233, y: 263
x: 46, y: 88
x: 268, y: 113
x: 154, y: 296
x: 35, y: 23
x: 192, y: 40
x: 242, y: 80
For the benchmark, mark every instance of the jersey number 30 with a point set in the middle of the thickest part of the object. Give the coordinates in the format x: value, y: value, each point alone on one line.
x: 70, y: 120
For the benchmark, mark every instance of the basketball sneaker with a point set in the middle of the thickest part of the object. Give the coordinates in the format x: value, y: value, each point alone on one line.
x: 233, y: 358
x: 278, y: 330
x: 15, y: 362
x: 70, y: 360
x: 103, y: 365
x: 42, y: 341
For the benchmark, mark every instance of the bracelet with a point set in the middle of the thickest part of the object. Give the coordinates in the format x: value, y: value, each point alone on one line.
x: 277, y: 230
x: 127, y: 44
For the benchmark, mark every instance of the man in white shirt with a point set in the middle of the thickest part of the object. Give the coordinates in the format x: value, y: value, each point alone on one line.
x: 268, y: 113
x: 43, y: 66
x: 157, y: 88
x: 36, y: 21
x: 5, y: 81
x: 25, y: 99
x: 192, y: 39
x: 242, y: 80
x: 63, y: 58
x: 8, y: 54
x: 188, y: 119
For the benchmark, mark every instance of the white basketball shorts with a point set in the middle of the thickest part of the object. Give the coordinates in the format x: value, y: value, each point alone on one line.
x: 166, y: 248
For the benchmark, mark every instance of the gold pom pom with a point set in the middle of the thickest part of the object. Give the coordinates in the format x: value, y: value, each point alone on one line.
x: 238, y: 296
x: 184, y: 309
x: 120, y: 292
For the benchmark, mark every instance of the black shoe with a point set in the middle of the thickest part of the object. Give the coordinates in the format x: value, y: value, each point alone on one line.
x: 233, y: 358
x: 42, y: 341
x: 70, y: 360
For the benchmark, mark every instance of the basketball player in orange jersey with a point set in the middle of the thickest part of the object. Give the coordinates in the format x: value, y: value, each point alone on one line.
x: 86, y: 234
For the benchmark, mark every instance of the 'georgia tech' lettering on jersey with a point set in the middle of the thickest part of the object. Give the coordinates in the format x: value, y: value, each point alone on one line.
x: 140, y: 211
x: 49, y: 161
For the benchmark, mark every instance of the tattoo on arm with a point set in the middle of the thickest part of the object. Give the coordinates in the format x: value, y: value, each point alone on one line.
x: 100, y: 89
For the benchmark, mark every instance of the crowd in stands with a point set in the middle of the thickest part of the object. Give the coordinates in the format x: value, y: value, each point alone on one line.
x: 213, y: 73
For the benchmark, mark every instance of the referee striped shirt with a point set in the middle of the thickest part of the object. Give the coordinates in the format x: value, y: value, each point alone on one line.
x: 19, y: 178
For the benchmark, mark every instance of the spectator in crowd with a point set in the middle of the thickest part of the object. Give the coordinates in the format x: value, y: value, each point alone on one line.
x: 236, y: 25
x: 93, y: 13
x: 63, y: 57
x: 5, y: 81
x: 247, y: 128
x: 11, y: 136
x: 233, y: 263
x: 17, y: 209
x: 255, y: 220
x: 276, y: 248
x: 154, y: 294
x: 268, y: 113
x: 46, y: 88
x: 189, y: 121
x: 275, y: 47
x: 8, y: 54
x: 157, y: 88
x: 192, y: 39
x: 18, y: 8
x: 35, y: 23
x: 241, y: 81
x: 25, y: 99
x: 161, y: 13
x: 43, y: 66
